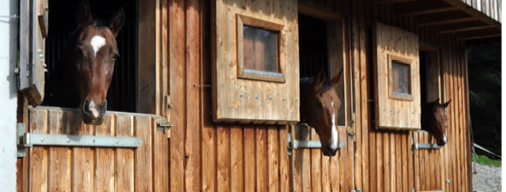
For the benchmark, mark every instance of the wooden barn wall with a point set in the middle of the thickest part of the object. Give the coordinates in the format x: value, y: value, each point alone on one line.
x: 382, y: 159
x: 389, y: 152
x: 203, y: 156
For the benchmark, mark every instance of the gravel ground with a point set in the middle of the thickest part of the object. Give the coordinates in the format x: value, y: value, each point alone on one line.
x: 487, y: 178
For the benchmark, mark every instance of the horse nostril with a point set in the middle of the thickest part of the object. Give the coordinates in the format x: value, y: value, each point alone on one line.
x: 329, y: 147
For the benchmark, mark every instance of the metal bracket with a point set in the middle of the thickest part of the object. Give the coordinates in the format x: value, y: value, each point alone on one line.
x: 356, y: 190
x: 162, y: 125
x: 433, y: 191
x: 426, y: 146
x: 295, y: 144
x: 21, y: 129
x: 197, y: 85
x: 351, y: 134
x: 34, y: 139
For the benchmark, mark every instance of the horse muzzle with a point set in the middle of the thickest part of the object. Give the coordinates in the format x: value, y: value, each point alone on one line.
x: 329, y: 151
x: 93, y: 114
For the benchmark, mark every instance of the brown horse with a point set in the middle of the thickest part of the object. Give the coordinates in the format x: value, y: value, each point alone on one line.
x: 434, y: 119
x: 84, y: 74
x: 319, y: 108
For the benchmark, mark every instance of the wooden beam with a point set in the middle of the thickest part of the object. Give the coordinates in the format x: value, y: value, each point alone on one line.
x: 474, y: 12
x: 315, y: 11
x: 461, y: 26
x: 382, y: 2
x: 479, y: 34
x: 422, y: 8
x: 466, y: 29
x: 445, y: 18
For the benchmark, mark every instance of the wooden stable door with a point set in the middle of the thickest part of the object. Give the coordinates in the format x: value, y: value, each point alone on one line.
x: 312, y: 171
x: 430, y: 165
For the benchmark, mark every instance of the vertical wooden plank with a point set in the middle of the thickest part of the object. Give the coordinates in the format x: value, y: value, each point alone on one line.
x: 160, y: 145
x: 249, y: 159
x: 59, y: 157
x: 343, y: 161
x: 273, y: 157
x: 325, y: 176
x: 261, y: 158
x: 208, y: 137
x: 143, y: 154
x: 124, y: 180
x: 417, y: 163
x: 393, y: 165
x: 316, y: 174
x: 39, y: 156
x: 82, y: 157
x: 104, y: 157
x: 284, y: 160
x: 386, y: 161
x: 193, y: 124
x: 398, y: 160
x: 147, y: 58
x: 407, y: 170
x: 223, y: 135
x: 364, y: 107
x: 236, y: 156
x: 177, y: 60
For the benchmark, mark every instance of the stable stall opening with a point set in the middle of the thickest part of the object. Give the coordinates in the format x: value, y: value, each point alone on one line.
x: 122, y: 92
x: 321, y: 49
x: 312, y: 46
x: 429, y: 77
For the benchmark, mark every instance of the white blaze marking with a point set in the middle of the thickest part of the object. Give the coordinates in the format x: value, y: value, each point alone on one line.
x: 333, y: 134
x: 97, y: 42
x: 444, y: 139
x: 93, y: 109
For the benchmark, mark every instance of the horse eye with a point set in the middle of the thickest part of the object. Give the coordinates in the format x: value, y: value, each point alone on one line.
x: 115, y: 57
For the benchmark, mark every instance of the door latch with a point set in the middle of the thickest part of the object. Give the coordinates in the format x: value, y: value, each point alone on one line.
x: 163, y: 125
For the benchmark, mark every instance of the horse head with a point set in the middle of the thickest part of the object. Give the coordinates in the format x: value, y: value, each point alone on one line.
x: 92, y: 52
x: 320, y: 107
x: 434, y: 119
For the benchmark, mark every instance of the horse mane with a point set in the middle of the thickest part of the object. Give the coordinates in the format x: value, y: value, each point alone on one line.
x: 326, y: 86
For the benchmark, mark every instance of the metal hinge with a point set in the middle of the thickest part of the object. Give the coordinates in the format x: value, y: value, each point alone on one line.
x: 163, y: 125
x: 295, y: 144
x: 25, y: 140
x: 21, y: 129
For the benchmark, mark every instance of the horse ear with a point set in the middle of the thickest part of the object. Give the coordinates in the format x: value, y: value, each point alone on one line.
x: 117, y: 21
x: 83, y: 16
x: 337, y: 78
x: 322, y: 76
x: 446, y: 104
x: 436, y: 101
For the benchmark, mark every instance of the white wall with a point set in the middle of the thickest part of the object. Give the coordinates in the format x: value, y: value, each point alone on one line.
x: 8, y: 95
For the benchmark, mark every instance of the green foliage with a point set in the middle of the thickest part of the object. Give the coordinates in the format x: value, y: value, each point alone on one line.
x: 484, y: 160
x: 484, y: 71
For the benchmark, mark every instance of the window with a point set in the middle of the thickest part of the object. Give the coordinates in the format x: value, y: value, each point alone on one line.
x: 396, y: 79
x: 258, y: 49
x: 400, y: 78
x: 255, y: 65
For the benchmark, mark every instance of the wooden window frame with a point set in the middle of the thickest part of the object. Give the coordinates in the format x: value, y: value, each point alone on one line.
x: 253, y: 74
x: 404, y: 61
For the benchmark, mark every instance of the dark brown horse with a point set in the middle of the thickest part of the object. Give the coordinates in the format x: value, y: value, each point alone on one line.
x: 84, y: 74
x: 319, y: 108
x: 434, y: 119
